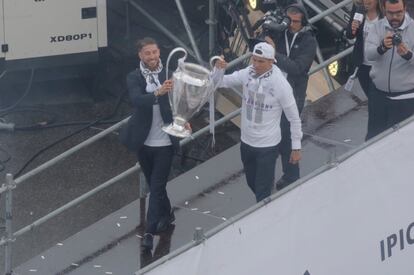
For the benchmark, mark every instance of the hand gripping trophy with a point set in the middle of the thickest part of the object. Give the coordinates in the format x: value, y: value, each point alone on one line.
x: 192, y: 88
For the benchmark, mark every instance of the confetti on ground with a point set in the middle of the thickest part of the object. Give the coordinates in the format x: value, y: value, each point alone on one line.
x: 194, y: 209
x: 347, y: 140
x: 207, y: 212
x: 223, y: 218
x: 74, y: 264
x: 123, y: 217
x: 97, y: 266
x: 33, y: 270
x: 31, y: 213
x: 197, y: 177
x: 43, y: 257
x: 139, y: 236
x: 108, y: 272
x: 59, y: 244
x: 186, y: 203
x: 118, y: 224
x: 221, y: 193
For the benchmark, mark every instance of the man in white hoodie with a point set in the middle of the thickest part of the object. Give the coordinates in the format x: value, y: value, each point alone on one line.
x: 266, y: 93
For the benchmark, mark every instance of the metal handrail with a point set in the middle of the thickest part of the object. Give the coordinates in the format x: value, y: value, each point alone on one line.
x: 10, y: 186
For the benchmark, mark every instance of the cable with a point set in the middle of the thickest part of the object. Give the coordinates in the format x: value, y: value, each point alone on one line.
x: 26, y: 92
x: 3, y: 74
x: 38, y: 153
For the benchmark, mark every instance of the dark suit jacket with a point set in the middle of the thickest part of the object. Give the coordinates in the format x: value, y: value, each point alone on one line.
x: 135, y: 132
x: 298, y: 63
x: 358, y: 52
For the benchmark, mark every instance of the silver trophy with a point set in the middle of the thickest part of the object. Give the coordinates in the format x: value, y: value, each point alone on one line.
x: 192, y: 88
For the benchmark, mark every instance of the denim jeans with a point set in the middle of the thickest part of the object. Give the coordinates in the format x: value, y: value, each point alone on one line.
x: 259, y: 166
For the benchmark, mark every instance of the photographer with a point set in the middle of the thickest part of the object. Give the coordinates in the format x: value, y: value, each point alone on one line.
x: 390, y: 45
x: 295, y: 52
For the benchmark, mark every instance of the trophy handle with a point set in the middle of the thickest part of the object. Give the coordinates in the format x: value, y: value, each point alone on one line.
x: 216, y: 57
x: 180, y: 61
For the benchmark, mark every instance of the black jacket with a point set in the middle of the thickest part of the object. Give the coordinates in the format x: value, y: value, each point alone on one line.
x: 298, y: 63
x: 135, y: 132
x: 358, y: 52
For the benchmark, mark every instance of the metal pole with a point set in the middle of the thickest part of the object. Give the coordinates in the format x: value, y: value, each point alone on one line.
x: 330, y: 60
x: 189, y: 32
x: 9, y: 228
x: 70, y: 152
x: 127, y: 22
x: 323, y: 14
x: 212, y: 26
x: 162, y: 28
x: 76, y: 201
x: 325, y: 71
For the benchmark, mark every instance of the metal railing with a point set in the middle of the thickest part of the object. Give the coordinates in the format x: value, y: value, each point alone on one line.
x: 12, y: 183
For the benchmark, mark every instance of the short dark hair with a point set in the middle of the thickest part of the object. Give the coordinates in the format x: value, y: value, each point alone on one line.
x: 141, y: 43
x: 392, y: 2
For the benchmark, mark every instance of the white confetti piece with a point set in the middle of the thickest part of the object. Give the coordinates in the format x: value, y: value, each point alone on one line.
x: 43, y: 257
x: 186, y: 203
x: 223, y: 218
x: 31, y: 213
x: 74, y: 264
x: 59, y: 244
x: 97, y: 266
x: 118, y: 224
x: 221, y: 193
x: 347, y: 140
x: 207, y: 212
x: 123, y: 217
x: 139, y: 236
x: 33, y: 270
x: 194, y: 209
x: 108, y: 272
x: 197, y: 177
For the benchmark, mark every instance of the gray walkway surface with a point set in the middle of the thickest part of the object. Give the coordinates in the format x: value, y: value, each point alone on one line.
x: 204, y: 197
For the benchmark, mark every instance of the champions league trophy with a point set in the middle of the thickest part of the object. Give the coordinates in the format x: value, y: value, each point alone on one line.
x: 191, y: 89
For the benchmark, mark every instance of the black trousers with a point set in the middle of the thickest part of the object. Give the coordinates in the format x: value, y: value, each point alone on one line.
x: 364, y: 79
x: 259, y: 166
x: 156, y: 165
x: 386, y: 112
x: 291, y: 171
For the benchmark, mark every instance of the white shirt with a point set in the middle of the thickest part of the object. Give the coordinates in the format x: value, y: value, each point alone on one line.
x: 264, y: 99
x: 368, y: 27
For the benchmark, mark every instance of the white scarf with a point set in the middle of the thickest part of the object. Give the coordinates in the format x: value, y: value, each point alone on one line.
x: 151, y: 77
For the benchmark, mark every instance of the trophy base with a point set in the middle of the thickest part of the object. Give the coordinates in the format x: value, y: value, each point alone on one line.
x: 176, y: 130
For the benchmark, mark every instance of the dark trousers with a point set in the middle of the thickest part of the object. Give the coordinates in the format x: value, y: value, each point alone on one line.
x: 364, y: 79
x: 259, y: 166
x: 386, y: 112
x: 291, y: 171
x: 156, y: 165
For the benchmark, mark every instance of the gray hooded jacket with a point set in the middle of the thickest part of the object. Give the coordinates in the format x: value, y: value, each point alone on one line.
x: 390, y: 72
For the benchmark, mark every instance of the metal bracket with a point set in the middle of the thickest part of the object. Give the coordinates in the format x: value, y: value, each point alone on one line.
x: 4, y: 48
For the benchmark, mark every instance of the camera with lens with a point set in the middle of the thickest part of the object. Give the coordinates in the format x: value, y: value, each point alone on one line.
x: 272, y: 21
x: 396, y: 39
x: 275, y: 21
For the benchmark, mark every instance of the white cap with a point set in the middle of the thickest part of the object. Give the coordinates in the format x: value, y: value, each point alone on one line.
x: 264, y: 50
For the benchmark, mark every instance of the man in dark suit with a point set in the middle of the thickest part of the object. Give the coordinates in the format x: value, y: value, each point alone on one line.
x: 148, y: 90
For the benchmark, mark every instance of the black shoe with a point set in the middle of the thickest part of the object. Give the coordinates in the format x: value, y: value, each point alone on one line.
x: 165, y: 223
x: 147, y: 241
x: 281, y: 183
